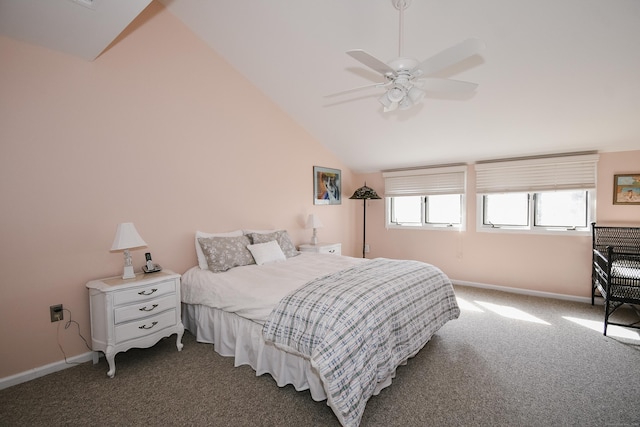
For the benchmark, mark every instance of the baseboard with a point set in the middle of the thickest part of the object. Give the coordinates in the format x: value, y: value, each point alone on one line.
x: 41, y: 371
x: 526, y: 292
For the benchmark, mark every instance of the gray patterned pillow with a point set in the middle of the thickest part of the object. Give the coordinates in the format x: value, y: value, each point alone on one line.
x: 223, y: 253
x: 280, y: 236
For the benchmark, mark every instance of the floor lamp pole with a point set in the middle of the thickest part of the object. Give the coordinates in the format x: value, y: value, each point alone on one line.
x: 364, y: 228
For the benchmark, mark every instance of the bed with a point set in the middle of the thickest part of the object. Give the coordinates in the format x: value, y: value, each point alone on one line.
x: 334, y: 325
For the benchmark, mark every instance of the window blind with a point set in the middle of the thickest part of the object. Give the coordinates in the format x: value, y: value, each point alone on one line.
x: 540, y: 174
x: 425, y: 182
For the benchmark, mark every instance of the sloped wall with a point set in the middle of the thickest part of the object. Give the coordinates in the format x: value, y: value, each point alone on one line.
x: 160, y: 131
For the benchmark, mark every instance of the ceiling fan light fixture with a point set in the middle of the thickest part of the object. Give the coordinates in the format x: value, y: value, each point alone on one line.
x: 406, y: 103
x: 395, y: 94
x: 392, y: 107
x: 415, y: 94
x: 385, y: 101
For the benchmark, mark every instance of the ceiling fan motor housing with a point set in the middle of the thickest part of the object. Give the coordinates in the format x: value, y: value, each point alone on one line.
x: 403, y: 64
x: 401, y: 4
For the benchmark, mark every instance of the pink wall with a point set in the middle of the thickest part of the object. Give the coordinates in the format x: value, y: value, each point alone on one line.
x: 546, y: 263
x: 160, y: 131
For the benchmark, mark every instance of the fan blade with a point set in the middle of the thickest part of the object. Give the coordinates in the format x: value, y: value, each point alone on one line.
x: 371, y: 62
x: 451, y: 56
x: 446, y: 85
x: 355, y: 89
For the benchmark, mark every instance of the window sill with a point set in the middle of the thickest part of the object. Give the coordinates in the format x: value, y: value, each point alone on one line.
x: 536, y: 231
x: 426, y: 227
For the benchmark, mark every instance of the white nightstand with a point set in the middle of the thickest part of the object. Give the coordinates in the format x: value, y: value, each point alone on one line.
x: 323, y: 248
x: 138, y: 312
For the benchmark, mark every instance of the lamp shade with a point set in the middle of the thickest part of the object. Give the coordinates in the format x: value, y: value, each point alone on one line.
x: 127, y: 237
x: 365, y: 192
x: 313, y: 221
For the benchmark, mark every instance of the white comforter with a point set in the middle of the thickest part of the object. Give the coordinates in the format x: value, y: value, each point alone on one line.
x: 253, y: 291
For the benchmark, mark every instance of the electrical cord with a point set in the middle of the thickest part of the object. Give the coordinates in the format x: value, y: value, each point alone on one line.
x: 66, y: 326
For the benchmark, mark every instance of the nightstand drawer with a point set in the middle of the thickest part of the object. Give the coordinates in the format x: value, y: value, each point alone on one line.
x: 323, y: 248
x: 330, y: 249
x: 143, y: 293
x: 144, y: 309
x: 146, y: 326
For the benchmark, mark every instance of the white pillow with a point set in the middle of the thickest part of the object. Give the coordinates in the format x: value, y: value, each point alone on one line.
x: 202, y: 259
x: 265, y: 253
x: 280, y: 236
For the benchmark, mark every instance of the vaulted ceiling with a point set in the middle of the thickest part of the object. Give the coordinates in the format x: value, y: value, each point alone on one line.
x: 555, y: 76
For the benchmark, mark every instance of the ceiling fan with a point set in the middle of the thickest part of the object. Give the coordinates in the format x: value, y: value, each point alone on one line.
x: 406, y: 79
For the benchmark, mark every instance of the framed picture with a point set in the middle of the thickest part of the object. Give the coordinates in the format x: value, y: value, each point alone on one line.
x: 327, y: 186
x: 626, y: 189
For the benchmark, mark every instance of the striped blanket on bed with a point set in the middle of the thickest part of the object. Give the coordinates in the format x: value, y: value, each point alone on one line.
x: 358, y: 325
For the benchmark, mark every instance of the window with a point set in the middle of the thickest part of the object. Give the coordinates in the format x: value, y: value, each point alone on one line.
x: 424, y: 211
x: 562, y: 209
x: 542, y: 194
x: 407, y: 210
x: 549, y: 210
x: 508, y: 209
x: 425, y: 198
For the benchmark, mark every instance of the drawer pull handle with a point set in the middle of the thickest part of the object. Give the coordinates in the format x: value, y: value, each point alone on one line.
x: 148, y: 327
x: 331, y: 251
x: 148, y: 309
x: 147, y: 293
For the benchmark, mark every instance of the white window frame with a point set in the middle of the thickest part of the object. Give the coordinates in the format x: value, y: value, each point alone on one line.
x: 537, y: 175
x: 425, y: 182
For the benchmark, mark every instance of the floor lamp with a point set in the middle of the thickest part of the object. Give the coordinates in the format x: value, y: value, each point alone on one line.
x: 364, y: 193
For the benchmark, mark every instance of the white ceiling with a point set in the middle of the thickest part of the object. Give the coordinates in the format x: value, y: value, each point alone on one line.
x: 556, y: 75
x: 83, y: 28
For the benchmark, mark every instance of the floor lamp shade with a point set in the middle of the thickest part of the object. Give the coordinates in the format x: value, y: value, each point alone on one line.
x: 364, y: 193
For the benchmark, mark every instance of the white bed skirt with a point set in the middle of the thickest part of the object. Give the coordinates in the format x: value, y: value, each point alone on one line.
x: 240, y: 338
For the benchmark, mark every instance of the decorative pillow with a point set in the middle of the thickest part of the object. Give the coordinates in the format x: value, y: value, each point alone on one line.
x: 280, y: 236
x: 202, y: 260
x: 223, y: 253
x: 265, y: 253
x: 247, y: 232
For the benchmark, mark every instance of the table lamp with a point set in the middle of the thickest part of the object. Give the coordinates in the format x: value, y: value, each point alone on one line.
x: 314, y: 222
x: 127, y: 237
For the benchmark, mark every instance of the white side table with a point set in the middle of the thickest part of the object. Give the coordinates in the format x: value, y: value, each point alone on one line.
x: 138, y: 312
x: 322, y: 248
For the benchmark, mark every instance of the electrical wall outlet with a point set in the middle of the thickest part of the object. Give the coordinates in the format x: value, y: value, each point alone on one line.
x: 56, y: 313
x: 367, y: 249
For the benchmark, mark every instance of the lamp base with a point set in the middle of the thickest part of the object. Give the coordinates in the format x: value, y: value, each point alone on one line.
x: 128, y: 272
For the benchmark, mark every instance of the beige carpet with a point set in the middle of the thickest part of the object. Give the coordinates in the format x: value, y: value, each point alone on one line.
x: 508, y: 360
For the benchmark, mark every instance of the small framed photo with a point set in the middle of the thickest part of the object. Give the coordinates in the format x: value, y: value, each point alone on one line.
x: 626, y: 189
x: 327, y: 186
